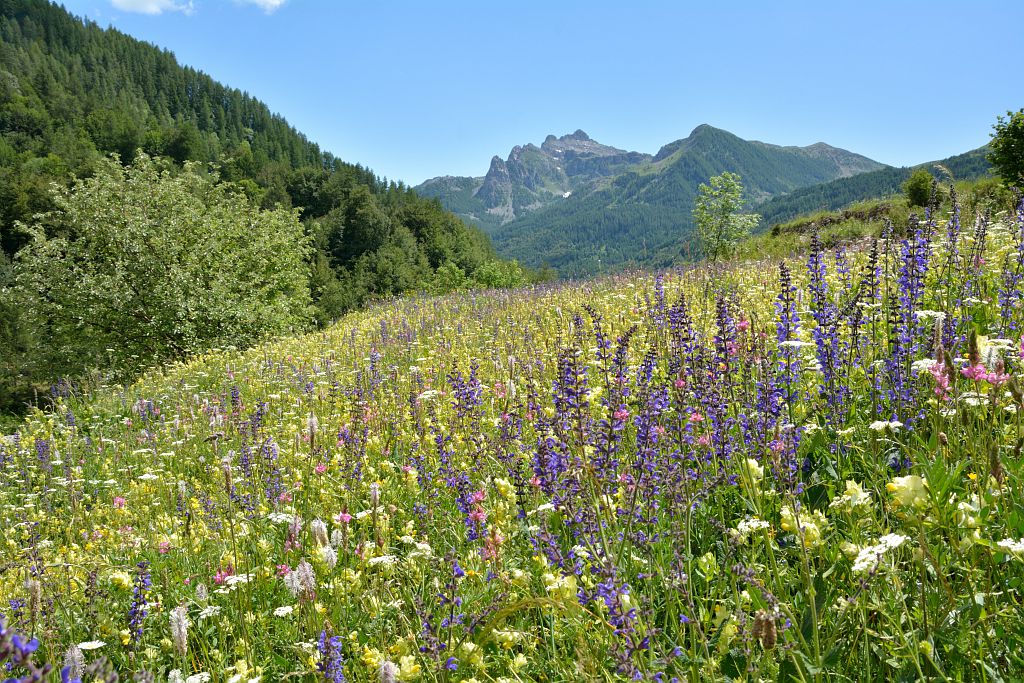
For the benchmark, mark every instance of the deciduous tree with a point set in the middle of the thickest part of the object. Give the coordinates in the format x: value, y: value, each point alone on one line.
x: 1007, y: 147
x: 145, y: 264
x: 719, y: 218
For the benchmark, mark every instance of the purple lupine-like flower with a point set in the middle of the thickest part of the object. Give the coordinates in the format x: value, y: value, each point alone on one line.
x: 17, y: 653
x: 828, y: 343
x: 332, y: 660
x: 908, y: 331
x: 466, y: 392
x: 140, y: 605
x: 1011, y: 298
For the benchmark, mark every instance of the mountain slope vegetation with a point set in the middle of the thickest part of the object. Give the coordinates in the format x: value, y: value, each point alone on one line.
x: 871, y: 185
x: 724, y: 471
x: 72, y: 93
x: 583, y: 207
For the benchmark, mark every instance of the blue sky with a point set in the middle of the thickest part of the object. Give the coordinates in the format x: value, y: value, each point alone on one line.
x: 419, y: 89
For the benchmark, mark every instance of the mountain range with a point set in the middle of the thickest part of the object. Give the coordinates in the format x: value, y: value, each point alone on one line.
x: 584, y: 207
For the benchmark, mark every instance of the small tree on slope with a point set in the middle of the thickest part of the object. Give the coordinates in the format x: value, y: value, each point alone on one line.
x: 717, y: 215
x: 1007, y: 148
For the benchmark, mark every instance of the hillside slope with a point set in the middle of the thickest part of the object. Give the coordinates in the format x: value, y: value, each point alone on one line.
x: 583, y: 207
x: 653, y: 477
x: 872, y: 185
x: 72, y: 92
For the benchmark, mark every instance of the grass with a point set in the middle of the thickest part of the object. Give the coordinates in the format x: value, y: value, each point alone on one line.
x: 778, y: 469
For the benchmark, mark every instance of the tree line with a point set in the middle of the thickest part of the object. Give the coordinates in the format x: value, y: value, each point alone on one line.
x: 81, y: 103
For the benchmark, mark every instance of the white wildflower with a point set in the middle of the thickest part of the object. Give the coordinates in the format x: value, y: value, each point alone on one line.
x: 747, y: 527
x: 74, y: 661
x: 922, y: 365
x: 871, y: 556
x: 329, y: 555
x: 236, y: 579
x: 281, y: 517
x: 930, y: 315
x: 388, y: 672
x: 319, y: 530
x: 179, y: 629
x: 545, y: 507
x: 1012, y: 546
x: 209, y: 611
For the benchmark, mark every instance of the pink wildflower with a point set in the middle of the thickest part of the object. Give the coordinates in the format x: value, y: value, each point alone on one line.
x: 221, y: 576
x: 321, y: 468
x: 975, y: 372
x: 996, y: 378
x: 938, y: 371
x: 119, y: 502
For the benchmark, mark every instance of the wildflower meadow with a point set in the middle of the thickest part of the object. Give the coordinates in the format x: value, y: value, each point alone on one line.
x: 798, y: 470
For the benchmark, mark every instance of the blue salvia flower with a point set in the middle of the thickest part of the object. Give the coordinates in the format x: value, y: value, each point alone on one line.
x: 17, y: 652
x: 332, y: 661
x: 140, y: 604
x: 1010, y: 295
x: 826, y: 336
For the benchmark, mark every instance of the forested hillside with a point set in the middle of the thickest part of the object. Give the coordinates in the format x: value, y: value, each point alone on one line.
x: 875, y: 184
x: 72, y: 93
x: 583, y: 207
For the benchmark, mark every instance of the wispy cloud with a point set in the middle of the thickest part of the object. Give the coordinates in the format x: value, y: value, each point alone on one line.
x: 153, y: 6
x: 267, y: 6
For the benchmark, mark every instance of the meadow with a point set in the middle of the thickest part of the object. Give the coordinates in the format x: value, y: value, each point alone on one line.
x: 803, y: 469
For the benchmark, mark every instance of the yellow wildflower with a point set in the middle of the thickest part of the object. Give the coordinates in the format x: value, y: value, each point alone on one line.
x: 909, y: 491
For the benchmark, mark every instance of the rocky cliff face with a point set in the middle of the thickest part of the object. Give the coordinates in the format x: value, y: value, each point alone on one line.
x: 496, y: 188
x: 532, y: 177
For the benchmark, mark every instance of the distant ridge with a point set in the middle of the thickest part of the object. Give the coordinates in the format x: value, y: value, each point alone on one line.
x: 584, y: 207
x: 887, y: 181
